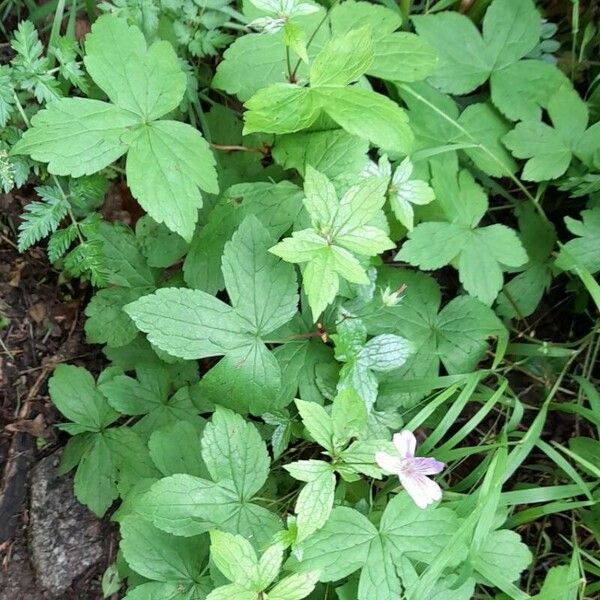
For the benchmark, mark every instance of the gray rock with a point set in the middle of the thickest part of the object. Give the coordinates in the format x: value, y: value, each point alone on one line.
x: 65, y: 538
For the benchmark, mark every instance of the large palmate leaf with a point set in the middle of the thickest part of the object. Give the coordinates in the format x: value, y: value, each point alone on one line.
x: 168, y: 162
x: 349, y: 541
x: 479, y: 253
x: 550, y: 149
x: 194, y: 324
x: 511, y: 29
x: 455, y: 335
x: 237, y: 460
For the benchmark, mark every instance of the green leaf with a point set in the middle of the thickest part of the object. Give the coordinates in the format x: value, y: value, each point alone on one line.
x: 155, y: 590
x: 74, y: 393
x: 456, y: 335
x: 233, y: 450
x: 337, y: 227
x: 188, y: 323
x: 231, y: 592
x: 550, y: 149
x: 146, y: 82
x: 76, y: 136
x: 511, y: 29
x: 161, y: 246
x: 436, y: 122
x: 122, y: 257
x: 261, y: 287
x: 295, y: 38
x: 585, y: 248
x: 480, y: 253
x: 348, y: 416
x: 175, y: 449
x: 317, y: 422
x: 367, y: 115
x: 403, y: 56
x: 419, y: 534
x: 280, y: 108
x: 315, y: 500
x: 348, y: 542
x: 522, y: 89
x: 502, y: 555
x: 333, y: 153
x: 187, y: 505
x: 270, y: 565
x: 432, y: 245
x: 340, y: 547
x: 107, y: 322
x: 463, y: 66
x: 522, y: 294
x: 160, y: 556
x: 275, y: 205
x: 294, y: 587
x: 362, y: 358
x: 398, y: 56
x: 247, y: 379
x: 343, y: 59
x: 167, y: 163
x: 96, y: 477
x: 350, y: 15
x: 6, y: 95
x: 480, y: 262
x: 235, y: 557
x: 255, y: 61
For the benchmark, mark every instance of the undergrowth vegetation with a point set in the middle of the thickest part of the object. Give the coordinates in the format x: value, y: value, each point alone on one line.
x: 351, y: 340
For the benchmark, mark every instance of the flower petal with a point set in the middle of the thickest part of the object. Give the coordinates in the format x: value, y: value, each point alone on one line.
x: 421, y: 489
x: 406, y: 443
x: 388, y: 463
x: 427, y: 466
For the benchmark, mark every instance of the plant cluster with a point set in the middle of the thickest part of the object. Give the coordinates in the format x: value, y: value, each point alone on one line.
x: 274, y: 338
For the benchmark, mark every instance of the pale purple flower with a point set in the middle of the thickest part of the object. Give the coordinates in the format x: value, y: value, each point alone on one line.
x: 412, y: 470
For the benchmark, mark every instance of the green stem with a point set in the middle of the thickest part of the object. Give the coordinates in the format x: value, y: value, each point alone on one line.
x: 311, y: 39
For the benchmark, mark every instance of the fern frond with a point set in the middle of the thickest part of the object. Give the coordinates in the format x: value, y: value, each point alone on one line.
x: 60, y: 241
x: 86, y: 259
x: 41, y: 218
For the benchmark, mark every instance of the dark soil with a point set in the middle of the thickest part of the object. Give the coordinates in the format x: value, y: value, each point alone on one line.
x: 42, y: 325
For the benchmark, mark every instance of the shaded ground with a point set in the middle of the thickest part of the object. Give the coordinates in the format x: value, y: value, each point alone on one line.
x: 42, y: 325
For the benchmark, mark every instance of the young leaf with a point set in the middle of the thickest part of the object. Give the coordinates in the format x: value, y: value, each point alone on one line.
x: 235, y: 557
x: 343, y: 59
x: 339, y: 227
x: 364, y: 358
x: 315, y: 500
x: 294, y: 587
